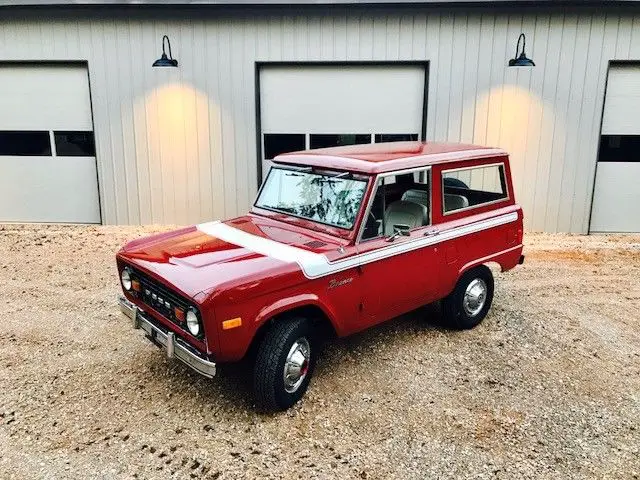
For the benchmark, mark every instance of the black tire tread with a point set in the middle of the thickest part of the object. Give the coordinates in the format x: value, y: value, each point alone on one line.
x: 267, y: 368
x: 452, y: 303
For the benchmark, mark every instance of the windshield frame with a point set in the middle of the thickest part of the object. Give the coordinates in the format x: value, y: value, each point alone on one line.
x: 318, y: 171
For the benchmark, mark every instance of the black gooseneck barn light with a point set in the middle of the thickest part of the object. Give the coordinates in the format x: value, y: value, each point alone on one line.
x: 521, y: 60
x: 165, y: 61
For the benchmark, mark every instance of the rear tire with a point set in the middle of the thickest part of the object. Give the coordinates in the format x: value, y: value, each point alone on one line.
x: 469, y: 302
x: 284, y: 364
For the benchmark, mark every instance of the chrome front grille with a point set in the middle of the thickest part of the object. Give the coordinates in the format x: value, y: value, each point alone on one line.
x: 159, y: 297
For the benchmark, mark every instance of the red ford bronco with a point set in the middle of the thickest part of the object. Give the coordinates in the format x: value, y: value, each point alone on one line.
x: 338, y: 240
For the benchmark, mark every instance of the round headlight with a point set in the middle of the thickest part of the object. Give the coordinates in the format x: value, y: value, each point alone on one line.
x: 125, y: 276
x: 193, y: 324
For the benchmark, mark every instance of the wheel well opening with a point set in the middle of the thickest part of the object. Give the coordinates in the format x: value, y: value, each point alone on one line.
x: 491, y: 265
x: 312, y: 312
x: 494, y: 266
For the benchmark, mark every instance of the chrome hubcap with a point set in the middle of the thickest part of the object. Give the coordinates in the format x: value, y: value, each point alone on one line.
x: 474, y: 297
x: 296, y: 365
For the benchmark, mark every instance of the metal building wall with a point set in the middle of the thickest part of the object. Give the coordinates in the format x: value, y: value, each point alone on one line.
x: 178, y: 146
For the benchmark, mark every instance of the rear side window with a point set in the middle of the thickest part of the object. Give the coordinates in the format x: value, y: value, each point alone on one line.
x: 470, y: 187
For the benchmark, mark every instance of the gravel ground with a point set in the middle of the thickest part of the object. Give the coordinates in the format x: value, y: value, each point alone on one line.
x: 547, y: 387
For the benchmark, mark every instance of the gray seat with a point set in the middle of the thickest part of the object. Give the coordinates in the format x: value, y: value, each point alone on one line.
x: 454, y: 202
x: 416, y: 196
x: 420, y: 197
x: 404, y: 213
x: 453, y: 182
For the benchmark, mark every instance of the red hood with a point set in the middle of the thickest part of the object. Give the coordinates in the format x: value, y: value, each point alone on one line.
x: 193, y: 261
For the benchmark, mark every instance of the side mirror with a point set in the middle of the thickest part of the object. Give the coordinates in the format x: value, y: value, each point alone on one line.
x: 399, y: 230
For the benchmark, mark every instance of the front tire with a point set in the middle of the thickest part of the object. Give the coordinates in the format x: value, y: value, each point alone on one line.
x: 471, y: 299
x: 284, y: 364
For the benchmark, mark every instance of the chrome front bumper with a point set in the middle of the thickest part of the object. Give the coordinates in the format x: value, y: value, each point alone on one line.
x: 167, y: 340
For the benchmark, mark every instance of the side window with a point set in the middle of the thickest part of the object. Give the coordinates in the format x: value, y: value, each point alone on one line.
x: 473, y: 186
x: 400, y: 202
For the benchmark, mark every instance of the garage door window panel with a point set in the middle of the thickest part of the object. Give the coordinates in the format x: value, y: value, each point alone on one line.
x: 25, y: 143
x: 466, y: 188
x: 619, y: 148
x: 277, y: 143
x: 337, y: 140
x: 396, y: 137
x: 74, y: 144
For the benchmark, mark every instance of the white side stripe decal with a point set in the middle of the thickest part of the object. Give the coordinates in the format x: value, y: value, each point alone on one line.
x: 315, y: 265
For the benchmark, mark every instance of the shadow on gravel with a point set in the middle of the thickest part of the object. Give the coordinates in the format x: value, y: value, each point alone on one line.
x: 426, y: 319
x: 231, y: 389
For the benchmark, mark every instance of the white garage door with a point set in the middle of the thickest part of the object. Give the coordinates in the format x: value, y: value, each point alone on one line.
x: 616, y: 196
x: 47, y: 152
x: 322, y: 106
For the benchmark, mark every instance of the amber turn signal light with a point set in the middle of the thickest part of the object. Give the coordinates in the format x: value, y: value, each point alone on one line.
x: 233, y: 323
x: 135, y: 285
x: 179, y: 314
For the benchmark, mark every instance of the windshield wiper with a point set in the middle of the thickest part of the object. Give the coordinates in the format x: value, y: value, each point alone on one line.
x: 301, y: 169
x: 332, y: 179
x: 343, y: 175
x: 281, y: 209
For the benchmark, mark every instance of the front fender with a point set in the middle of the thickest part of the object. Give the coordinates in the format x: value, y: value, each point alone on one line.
x: 235, y: 342
x: 296, y: 301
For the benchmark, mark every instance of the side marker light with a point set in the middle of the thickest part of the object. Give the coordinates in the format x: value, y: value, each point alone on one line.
x: 233, y: 323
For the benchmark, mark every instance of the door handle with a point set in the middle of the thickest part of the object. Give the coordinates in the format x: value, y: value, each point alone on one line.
x: 432, y: 232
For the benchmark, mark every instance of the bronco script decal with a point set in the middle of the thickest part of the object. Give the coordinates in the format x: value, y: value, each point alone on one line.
x: 333, y: 283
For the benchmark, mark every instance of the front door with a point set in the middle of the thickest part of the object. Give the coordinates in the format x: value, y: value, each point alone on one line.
x: 399, y: 268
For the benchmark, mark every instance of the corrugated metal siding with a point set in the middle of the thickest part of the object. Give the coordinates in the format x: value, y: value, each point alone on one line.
x: 178, y: 145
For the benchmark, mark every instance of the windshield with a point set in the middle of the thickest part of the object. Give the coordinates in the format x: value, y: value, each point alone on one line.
x: 330, y: 198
